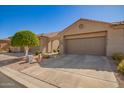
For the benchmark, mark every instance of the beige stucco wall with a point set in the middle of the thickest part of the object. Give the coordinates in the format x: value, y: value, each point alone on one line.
x: 87, y: 27
x: 53, y: 43
x: 49, y: 46
x: 4, y: 46
x: 15, y: 49
x: 44, y: 44
x: 115, y: 41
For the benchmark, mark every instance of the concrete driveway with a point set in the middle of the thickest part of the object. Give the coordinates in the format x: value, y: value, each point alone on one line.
x: 75, y: 71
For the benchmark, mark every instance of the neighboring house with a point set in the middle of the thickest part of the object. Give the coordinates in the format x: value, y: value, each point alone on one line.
x: 4, y: 44
x: 90, y: 37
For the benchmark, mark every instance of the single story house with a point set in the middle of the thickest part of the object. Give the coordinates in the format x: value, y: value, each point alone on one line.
x: 85, y: 36
x: 4, y: 44
x: 88, y: 37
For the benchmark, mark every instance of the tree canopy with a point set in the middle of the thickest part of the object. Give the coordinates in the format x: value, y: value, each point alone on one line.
x: 24, y: 38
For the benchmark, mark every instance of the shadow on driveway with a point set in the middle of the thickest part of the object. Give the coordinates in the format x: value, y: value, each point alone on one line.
x: 98, y: 63
x: 9, y: 61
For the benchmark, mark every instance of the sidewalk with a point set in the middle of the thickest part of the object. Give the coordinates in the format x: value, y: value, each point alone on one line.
x: 24, y: 79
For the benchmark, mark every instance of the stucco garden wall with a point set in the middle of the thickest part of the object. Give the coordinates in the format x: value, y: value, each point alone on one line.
x: 115, y: 41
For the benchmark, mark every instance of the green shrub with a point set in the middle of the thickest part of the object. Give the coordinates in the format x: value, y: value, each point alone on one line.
x: 38, y: 52
x: 26, y: 39
x: 58, y: 50
x: 9, y: 50
x: 120, y: 67
x: 54, y: 50
x: 118, y: 57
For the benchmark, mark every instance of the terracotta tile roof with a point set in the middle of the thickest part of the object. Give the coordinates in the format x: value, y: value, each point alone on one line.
x: 51, y: 34
x: 118, y: 23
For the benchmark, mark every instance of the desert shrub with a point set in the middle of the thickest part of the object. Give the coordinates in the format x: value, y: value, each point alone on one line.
x: 54, y: 50
x: 46, y: 56
x: 120, y: 67
x: 118, y: 57
x: 38, y: 52
x: 9, y: 50
x: 58, y: 50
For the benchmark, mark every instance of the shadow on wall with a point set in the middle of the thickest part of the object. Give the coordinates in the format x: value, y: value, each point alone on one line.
x: 97, y: 63
x: 55, y: 45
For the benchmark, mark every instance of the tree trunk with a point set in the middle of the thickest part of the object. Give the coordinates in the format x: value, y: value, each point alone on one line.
x: 26, y: 51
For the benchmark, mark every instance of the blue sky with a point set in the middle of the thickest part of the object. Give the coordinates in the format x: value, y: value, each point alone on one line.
x: 44, y: 19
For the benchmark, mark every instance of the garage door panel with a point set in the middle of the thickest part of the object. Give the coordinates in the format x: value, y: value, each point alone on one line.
x: 94, y: 45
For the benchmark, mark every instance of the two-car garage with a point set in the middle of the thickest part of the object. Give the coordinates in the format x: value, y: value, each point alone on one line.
x: 88, y: 43
x: 87, y: 36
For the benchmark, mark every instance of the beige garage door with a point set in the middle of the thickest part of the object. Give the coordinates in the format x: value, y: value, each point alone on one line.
x: 92, y: 45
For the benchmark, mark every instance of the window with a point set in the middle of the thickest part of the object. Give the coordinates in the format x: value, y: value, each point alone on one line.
x: 81, y: 26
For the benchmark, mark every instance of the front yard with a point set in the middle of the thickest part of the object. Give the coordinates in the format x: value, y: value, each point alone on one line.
x: 56, y: 71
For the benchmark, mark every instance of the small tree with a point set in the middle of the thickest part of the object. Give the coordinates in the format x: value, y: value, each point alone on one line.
x: 26, y: 39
